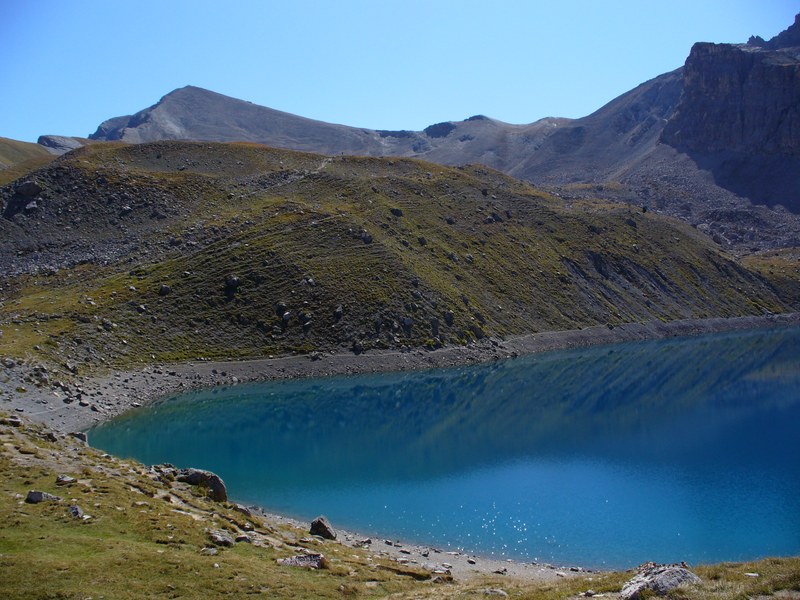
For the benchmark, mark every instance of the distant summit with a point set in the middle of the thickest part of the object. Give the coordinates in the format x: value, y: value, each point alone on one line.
x: 723, y: 130
x: 193, y: 113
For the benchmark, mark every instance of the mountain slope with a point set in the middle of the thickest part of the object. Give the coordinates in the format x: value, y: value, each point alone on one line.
x: 715, y: 143
x: 180, y: 250
x: 18, y: 158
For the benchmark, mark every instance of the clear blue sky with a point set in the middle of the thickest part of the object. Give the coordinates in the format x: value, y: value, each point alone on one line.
x: 67, y: 65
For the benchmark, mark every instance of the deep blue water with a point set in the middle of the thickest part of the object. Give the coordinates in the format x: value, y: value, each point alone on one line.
x: 685, y: 449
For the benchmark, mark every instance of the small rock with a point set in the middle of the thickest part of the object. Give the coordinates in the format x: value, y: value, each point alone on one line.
x: 321, y: 527
x: 751, y: 575
x: 242, y: 537
x: 76, y: 511
x: 65, y: 480
x: 220, y: 537
x: 243, y: 509
x: 79, y: 435
x: 471, y: 561
x: 35, y: 497
x: 495, y: 592
x: 209, y: 551
x: 309, y: 561
x: 164, y: 290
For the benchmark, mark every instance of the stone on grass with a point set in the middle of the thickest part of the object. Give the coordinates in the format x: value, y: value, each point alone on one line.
x: 76, y: 511
x: 220, y: 537
x: 658, y: 578
x: 216, y: 487
x: 311, y: 560
x: 35, y: 497
x: 321, y: 527
x: 64, y: 480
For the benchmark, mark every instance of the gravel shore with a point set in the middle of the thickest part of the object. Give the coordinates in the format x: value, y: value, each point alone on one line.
x: 92, y: 399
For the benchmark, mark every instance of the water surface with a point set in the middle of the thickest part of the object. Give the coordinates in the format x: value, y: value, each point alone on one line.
x: 606, y: 457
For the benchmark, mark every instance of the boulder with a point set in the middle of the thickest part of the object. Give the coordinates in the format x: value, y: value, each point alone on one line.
x: 321, y: 527
x: 435, y: 326
x: 28, y: 189
x: 220, y: 537
x: 12, y: 421
x: 35, y: 497
x: 660, y: 579
x: 216, y: 487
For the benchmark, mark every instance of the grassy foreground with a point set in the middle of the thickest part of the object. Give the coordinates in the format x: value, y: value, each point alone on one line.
x: 148, y: 538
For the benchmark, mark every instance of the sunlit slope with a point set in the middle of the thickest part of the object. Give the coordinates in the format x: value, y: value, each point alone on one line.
x: 18, y: 158
x: 177, y: 250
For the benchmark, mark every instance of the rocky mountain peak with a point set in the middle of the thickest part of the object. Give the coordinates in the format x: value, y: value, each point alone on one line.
x: 789, y: 38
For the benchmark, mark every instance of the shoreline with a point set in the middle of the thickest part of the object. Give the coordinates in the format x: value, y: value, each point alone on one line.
x: 107, y: 396
x: 93, y: 399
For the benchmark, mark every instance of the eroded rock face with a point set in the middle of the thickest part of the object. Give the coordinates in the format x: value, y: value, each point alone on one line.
x: 738, y: 98
x: 739, y: 117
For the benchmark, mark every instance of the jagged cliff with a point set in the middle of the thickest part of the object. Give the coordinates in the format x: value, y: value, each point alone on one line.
x: 739, y: 116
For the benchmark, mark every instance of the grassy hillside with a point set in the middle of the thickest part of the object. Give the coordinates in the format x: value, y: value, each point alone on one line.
x: 19, y: 158
x: 172, y: 251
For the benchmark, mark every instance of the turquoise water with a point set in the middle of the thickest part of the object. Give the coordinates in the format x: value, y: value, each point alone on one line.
x: 612, y: 456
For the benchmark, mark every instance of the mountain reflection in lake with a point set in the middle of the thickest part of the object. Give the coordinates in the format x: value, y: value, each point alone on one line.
x: 611, y: 456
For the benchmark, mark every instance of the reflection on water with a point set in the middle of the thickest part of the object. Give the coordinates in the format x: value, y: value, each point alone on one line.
x: 611, y: 456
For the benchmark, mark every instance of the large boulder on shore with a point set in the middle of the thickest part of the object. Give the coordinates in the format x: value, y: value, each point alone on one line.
x: 658, y: 578
x: 321, y: 527
x: 216, y: 487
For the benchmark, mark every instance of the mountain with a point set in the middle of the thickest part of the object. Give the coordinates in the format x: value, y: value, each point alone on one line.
x: 120, y: 253
x: 715, y: 143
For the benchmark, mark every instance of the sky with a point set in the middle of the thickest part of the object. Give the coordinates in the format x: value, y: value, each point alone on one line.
x: 66, y: 66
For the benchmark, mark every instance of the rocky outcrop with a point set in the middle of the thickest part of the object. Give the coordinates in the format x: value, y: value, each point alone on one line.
x: 738, y: 98
x: 739, y: 117
x: 60, y: 144
x: 206, y: 479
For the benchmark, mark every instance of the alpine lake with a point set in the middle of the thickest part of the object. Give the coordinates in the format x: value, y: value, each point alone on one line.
x: 671, y: 450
